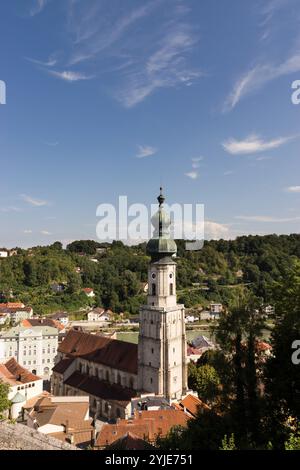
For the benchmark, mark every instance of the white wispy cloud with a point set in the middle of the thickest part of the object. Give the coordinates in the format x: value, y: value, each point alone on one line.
x: 266, y: 218
x: 34, y: 202
x: 37, y: 7
x: 263, y: 157
x: 45, y: 232
x: 10, y: 209
x: 192, y: 174
x: 253, y: 144
x: 52, y: 60
x: 112, y: 39
x: 145, y: 151
x: 166, y: 67
x: 258, y: 76
x: 52, y: 144
x: 70, y: 76
x: 95, y: 32
x: 27, y: 232
x: 293, y: 189
x: 196, y: 162
x: 228, y: 172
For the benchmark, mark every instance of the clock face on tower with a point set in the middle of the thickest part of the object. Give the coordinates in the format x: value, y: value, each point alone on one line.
x: 153, y: 275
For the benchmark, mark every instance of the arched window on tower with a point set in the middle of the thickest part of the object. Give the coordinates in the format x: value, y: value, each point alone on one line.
x: 153, y: 288
x: 171, y: 289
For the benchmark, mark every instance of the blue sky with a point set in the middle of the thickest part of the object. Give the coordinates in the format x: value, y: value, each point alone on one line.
x: 114, y: 97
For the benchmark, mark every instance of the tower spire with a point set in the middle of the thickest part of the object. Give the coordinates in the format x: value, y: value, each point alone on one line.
x: 161, y: 198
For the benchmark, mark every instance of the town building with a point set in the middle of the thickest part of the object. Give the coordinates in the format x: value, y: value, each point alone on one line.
x: 64, y: 418
x: 23, y: 385
x: 28, y: 323
x: 102, y: 368
x: 16, y: 314
x: 4, y: 318
x: 144, y: 425
x: 202, y: 342
x: 216, y: 310
x: 34, y: 348
x: 89, y: 292
x: 61, y: 317
x: 98, y: 314
x: 192, y: 405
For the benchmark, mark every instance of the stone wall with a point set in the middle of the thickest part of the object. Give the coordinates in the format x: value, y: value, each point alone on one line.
x: 20, y: 437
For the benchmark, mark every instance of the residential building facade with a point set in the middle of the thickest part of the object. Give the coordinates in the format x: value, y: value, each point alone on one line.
x: 23, y: 385
x: 34, y: 348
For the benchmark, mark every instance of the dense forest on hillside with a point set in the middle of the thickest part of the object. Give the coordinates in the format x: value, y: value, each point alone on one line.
x: 118, y: 273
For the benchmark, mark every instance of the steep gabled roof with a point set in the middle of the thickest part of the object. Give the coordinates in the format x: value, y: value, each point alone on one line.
x: 12, y: 373
x: 119, y: 355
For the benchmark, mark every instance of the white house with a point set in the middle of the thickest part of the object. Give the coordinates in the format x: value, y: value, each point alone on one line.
x: 89, y: 292
x: 191, y: 319
x: 34, y: 348
x: 23, y: 385
x: 98, y: 314
x: 3, y: 254
x: 216, y: 308
x: 62, y: 317
x: 4, y: 318
x: 17, y: 314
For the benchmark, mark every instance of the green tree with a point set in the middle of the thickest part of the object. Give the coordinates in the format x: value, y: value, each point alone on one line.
x: 282, y: 373
x: 293, y: 443
x: 205, y: 381
x: 228, y: 443
x: 4, y: 401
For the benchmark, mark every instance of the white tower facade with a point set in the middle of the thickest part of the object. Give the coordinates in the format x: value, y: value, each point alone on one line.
x: 162, y: 361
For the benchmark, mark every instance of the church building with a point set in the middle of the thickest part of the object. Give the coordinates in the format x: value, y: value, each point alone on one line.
x: 113, y: 372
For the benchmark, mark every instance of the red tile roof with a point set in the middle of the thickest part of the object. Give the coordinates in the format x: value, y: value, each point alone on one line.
x: 193, y: 404
x: 145, y: 425
x: 15, y: 309
x: 11, y: 372
x: 13, y: 305
x: 130, y: 441
x: 119, y: 355
x: 42, y: 322
x: 193, y: 351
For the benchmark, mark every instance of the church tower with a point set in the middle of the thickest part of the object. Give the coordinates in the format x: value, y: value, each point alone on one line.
x: 162, y: 361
